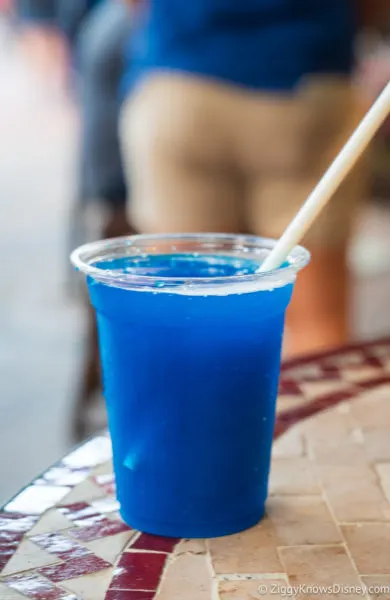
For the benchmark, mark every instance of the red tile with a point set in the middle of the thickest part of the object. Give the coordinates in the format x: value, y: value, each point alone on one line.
x: 17, y: 522
x: 372, y: 361
x: 155, y: 543
x: 289, y: 387
x: 138, y: 571
x: 104, y: 528
x: 9, y: 537
x: 5, y: 556
x: 128, y: 595
x: 77, y: 567
x: 80, y: 511
x: 36, y: 587
x: 332, y: 370
x: 375, y: 382
x: 9, y: 543
x: 280, y: 428
x: 60, y: 545
x: 6, y: 551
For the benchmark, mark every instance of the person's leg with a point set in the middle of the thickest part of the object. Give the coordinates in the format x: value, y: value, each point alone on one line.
x: 177, y: 158
x: 318, y: 314
x: 325, y: 112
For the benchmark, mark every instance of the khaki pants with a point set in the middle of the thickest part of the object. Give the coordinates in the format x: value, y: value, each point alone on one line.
x: 204, y: 156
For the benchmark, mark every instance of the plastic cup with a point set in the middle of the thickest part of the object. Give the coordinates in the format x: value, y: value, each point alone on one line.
x: 190, y: 337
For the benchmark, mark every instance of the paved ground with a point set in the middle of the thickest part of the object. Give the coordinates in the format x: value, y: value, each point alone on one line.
x: 41, y: 329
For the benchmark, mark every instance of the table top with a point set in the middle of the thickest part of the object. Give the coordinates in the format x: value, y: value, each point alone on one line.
x: 328, y: 514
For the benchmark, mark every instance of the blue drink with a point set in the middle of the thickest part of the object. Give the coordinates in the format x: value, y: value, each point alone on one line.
x: 190, y: 344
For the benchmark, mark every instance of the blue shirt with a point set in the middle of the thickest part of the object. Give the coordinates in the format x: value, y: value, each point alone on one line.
x: 259, y: 44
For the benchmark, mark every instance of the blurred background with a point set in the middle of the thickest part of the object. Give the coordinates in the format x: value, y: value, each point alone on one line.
x: 43, y: 322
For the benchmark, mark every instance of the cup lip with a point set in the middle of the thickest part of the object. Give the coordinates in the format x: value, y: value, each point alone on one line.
x: 85, y: 257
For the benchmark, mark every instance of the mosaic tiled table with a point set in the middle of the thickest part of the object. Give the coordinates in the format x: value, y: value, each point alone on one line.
x: 327, y: 524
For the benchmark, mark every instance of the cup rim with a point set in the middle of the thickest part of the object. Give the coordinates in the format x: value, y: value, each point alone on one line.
x: 85, y: 257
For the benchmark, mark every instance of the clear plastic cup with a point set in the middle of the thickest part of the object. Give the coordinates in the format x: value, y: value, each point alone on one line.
x: 190, y: 338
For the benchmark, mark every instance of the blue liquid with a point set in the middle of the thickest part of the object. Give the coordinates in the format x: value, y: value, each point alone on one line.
x: 190, y: 385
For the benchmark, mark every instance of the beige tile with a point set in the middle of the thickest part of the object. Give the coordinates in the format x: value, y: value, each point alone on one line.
x: 339, y: 452
x: 289, y: 444
x: 49, y: 523
x: 378, y: 586
x: 344, y: 407
x: 372, y: 409
x: 369, y: 545
x: 109, y: 548
x: 383, y: 471
x: 353, y: 493
x: 316, y: 389
x: 191, y: 547
x: 28, y: 556
x: 7, y: 593
x: 300, y: 520
x: 187, y: 577
x: 361, y: 373
x: 377, y: 444
x: 302, y: 371
x: 329, y: 425
x: 253, y: 551
x: 288, y: 402
x: 267, y: 589
x: 90, y: 587
x: 292, y: 476
x: 84, y: 492
x: 319, y: 565
x: 352, y: 358
x: 104, y: 469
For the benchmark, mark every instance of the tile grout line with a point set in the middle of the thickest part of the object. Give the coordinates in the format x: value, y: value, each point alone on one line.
x: 171, y: 557
x: 252, y: 577
x: 214, y: 579
x: 347, y: 550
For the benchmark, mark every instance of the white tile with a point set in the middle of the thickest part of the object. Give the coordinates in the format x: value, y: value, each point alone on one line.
x: 65, y: 476
x: 37, y: 499
x: 106, y: 505
x: 91, y: 454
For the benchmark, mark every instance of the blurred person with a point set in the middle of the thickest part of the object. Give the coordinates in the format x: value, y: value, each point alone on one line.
x: 236, y: 110
x: 374, y: 73
x: 96, y: 33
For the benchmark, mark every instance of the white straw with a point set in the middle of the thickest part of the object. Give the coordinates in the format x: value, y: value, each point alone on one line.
x: 329, y: 183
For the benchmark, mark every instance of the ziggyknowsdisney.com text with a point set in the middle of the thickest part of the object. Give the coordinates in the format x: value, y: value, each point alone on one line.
x: 289, y: 591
